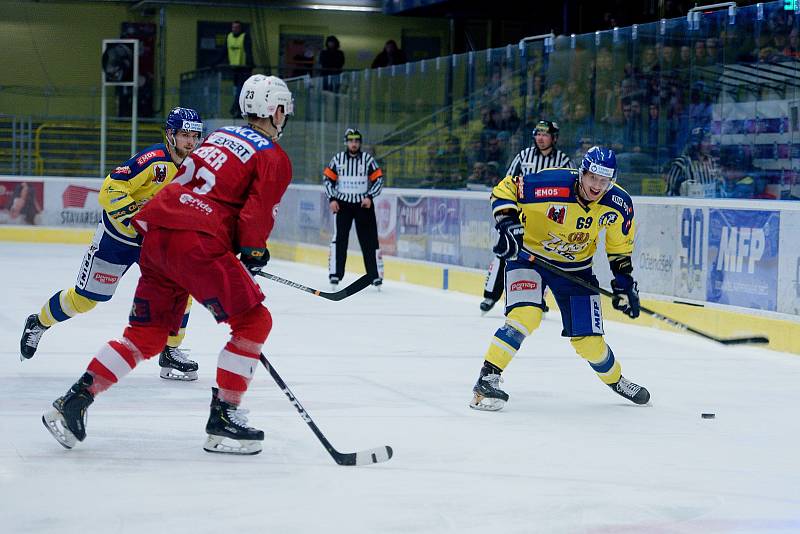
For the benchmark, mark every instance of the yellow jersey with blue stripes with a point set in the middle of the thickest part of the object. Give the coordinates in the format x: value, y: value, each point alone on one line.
x: 561, y: 227
x: 128, y: 187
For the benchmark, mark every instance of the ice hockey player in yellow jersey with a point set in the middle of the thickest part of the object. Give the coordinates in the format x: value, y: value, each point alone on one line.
x: 557, y: 215
x: 115, y: 246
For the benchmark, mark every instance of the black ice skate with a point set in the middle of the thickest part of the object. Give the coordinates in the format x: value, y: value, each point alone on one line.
x: 487, y: 393
x: 629, y: 390
x: 176, y: 366
x: 67, y: 420
x: 227, y: 424
x: 31, y: 335
x: 487, y: 304
x: 334, y: 284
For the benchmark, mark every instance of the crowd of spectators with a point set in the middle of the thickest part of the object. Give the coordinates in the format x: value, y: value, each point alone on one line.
x: 643, y: 101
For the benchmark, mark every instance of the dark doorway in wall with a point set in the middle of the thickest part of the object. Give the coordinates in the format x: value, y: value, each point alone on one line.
x: 211, y: 48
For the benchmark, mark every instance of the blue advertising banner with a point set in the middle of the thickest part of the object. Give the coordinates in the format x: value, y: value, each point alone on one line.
x: 743, y: 258
x: 411, y: 239
x: 443, y: 229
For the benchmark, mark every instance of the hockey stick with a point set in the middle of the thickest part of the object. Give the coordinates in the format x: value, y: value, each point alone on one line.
x: 352, y: 289
x: 672, y: 322
x: 367, y: 457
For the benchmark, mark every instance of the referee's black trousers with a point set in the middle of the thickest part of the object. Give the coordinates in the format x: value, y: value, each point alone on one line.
x: 367, y: 232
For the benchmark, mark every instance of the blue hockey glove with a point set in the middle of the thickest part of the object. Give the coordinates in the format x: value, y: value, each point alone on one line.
x: 509, y: 241
x: 626, y: 295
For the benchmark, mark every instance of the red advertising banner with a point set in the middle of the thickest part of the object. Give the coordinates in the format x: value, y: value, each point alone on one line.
x: 21, y: 202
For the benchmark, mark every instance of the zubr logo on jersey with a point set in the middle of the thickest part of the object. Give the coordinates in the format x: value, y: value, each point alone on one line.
x: 523, y: 285
x: 557, y: 213
x: 196, y: 203
x: 159, y: 173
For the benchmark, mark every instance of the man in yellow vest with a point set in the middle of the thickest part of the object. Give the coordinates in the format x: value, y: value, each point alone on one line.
x: 240, y: 59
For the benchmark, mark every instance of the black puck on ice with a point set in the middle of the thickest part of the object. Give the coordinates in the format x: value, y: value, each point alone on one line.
x: 707, y: 415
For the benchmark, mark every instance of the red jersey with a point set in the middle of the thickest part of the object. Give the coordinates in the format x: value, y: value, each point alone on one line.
x: 228, y: 187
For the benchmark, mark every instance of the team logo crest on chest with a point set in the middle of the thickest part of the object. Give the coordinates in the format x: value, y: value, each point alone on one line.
x: 159, y: 173
x: 557, y: 213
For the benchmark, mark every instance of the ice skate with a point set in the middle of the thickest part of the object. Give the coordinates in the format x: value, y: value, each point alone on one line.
x: 633, y: 392
x: 31, y: 335
x: 67, y: 420
x: 486, y: 305
x: 176, y: 366
x: 377, y: 283
x: 334, y: 284
x: 487, y: 393
x: 228, y: 431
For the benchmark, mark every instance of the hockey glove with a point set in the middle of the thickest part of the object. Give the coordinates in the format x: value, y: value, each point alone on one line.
x: 626, y: 295
x: 509, y: 241
x: 254, y: 259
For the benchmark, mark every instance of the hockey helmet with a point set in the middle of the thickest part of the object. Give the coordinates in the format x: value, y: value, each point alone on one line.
x: 261, y: 95
x: 352, y: 134
x: 549, y: 127
x: 184, y: 119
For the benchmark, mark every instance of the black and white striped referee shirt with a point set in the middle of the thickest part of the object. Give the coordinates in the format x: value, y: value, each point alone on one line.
x: 531, y: 160
x: 693, y: 177
x: 350, y: 178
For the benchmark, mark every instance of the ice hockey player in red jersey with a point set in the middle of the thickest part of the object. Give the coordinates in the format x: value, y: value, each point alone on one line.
x: 221, y: 204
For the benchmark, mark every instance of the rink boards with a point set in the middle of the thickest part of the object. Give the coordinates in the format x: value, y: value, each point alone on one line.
x: 733, y: 265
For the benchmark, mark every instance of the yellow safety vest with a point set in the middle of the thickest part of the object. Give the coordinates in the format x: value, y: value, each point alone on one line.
x: 236, y: 56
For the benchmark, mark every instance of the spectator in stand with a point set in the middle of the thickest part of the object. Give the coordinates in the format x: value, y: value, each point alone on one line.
x: 331, y: 62
x: 712, y: 51
x: 494, y: 152
x: 653, y: 112
x: 700, y: 58
x: 240, y: 59
x: 479, y: 178
x: 390, y: 55
x: 632, y: 136
x: 493, y: 173
x: 793, y: 47
x: 453, y: 163
x: 475, y: 151
x: 509, y: 120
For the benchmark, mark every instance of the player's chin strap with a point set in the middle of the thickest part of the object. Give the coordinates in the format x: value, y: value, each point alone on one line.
x: 526, y: 256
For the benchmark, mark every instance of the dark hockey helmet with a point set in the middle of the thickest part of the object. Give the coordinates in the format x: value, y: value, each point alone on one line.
x: 550, y: 127
x: 351, y: 134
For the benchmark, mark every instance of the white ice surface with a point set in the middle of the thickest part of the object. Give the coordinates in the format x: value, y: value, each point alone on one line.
x: 396, y: 368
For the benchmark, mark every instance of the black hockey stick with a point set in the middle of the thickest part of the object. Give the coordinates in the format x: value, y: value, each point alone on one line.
x: 672, y: 322
x: 367, y: 457
x: 352, y: 289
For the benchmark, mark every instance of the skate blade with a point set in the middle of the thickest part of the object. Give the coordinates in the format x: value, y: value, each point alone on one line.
x: 222, y: 445
x: 54, y: 424
x: 169, y: 373
x: 479, y: 402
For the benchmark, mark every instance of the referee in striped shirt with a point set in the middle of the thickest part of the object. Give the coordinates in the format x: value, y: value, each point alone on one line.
x: 352, y: 179
x: 695, y: 173
x: 542, y: 155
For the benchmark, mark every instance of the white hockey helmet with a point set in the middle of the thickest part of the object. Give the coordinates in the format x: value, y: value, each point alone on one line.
x: 261, y: 95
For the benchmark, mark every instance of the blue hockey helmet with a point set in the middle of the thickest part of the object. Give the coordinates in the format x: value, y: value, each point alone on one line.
x: 184, y: 119
x: 600, y: 161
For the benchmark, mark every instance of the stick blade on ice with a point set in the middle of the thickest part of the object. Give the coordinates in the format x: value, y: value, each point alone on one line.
x: 367, y: 457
